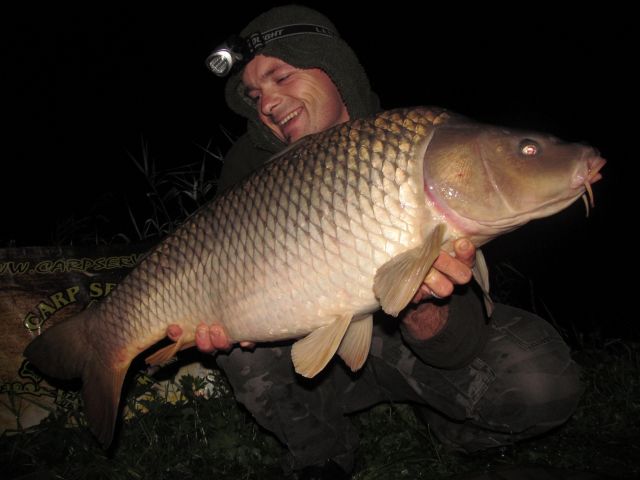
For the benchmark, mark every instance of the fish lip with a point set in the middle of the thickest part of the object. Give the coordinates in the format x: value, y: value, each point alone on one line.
x: 595, y: 164
x: 591, y: 174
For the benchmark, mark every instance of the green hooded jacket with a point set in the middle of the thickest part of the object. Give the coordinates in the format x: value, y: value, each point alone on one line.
x: 305, y: 50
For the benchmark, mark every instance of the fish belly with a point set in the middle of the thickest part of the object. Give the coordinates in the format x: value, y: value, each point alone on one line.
x: 292, y: 247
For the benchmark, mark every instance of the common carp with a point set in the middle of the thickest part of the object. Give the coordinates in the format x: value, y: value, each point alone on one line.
x: 338, y: 225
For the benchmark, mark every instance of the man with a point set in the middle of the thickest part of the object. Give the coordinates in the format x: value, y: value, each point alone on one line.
x: 477, y: 384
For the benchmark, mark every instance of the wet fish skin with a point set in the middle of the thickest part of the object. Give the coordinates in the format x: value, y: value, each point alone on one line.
x: 310, y: 245
x: 468, y: 161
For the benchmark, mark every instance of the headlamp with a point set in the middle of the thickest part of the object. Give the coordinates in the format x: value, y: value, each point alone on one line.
x: 237, y: 51
x: 228, y: 55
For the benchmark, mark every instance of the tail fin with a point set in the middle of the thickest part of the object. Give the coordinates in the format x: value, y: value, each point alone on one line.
x: 63, y: 352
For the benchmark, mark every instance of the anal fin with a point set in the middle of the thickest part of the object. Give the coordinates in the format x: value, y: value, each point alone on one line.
x: 311, y: 354
x: 165, y: 354
x: 355, y: 345
x: 397, y: 281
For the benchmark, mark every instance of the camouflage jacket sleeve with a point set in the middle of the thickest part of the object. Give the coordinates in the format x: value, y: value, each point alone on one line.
x: 460, y: 340
x: 242, y: 158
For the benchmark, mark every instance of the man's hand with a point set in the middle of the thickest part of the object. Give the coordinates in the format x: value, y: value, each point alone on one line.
x: 427, y: 319
x: 208, y: 338
x: 448, y: 271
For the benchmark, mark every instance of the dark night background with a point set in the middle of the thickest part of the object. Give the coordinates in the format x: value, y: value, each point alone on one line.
x: 85, y: 86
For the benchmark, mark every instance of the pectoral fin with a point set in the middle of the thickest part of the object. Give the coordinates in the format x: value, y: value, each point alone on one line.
x: 311, y: 354
x: 354, y: 348
x: 481, y: 274
x: 397, y: 281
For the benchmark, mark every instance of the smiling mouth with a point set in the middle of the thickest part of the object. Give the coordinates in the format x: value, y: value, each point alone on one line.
x: 289, y: 117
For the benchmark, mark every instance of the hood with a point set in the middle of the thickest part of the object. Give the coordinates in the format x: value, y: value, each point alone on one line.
x: 305, y: 50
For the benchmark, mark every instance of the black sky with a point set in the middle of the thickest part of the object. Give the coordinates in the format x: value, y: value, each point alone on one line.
x: 86, y: 86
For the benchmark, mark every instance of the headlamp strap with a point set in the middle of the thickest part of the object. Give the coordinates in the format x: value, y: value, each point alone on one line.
x: 237, y: 51
x: 258, y: 40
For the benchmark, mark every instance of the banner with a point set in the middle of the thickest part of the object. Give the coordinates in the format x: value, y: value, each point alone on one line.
x: 39, y: 287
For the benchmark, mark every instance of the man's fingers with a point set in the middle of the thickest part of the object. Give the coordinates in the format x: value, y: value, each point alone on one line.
x: 438, y: 284
x: 218, y: 337
x: 465, y: 251
x: 448, y: 271
x: 208, y: 339
x: 174, y: 332
x: 248, y: 345
x: 456, y: 270
x: 203, y: 339
x: 423, y: 293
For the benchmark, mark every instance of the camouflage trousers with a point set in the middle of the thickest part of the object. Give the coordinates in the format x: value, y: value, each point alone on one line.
x: 522, y: 384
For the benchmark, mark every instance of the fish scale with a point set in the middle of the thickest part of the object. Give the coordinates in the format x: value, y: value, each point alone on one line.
x: 336, y: 226
x: 286, y: 240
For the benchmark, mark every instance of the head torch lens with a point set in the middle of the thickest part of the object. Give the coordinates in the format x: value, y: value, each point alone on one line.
x: 220, y: 62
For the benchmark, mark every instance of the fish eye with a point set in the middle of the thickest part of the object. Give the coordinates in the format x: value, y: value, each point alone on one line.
x: 529, y: 148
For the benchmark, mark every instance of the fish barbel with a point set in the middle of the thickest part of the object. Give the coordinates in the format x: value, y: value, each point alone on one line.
x: 310, y: 245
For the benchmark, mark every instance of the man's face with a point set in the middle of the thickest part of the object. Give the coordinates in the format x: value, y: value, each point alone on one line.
x: 293, y: 102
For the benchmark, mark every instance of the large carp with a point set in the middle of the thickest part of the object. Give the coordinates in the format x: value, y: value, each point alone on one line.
x: 309, y: 246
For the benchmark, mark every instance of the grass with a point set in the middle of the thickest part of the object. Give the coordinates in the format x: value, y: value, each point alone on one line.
x: 216, y: 438
x: 603, y: 435
x: 172, y: 194
x: 164, y: 199
x: 212, y: 436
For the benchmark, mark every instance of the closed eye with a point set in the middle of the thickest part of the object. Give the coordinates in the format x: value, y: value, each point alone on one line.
x: 282, y: 78
x: 252, y: 95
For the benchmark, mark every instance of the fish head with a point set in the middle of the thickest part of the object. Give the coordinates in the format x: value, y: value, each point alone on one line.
x: 484, y: 180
